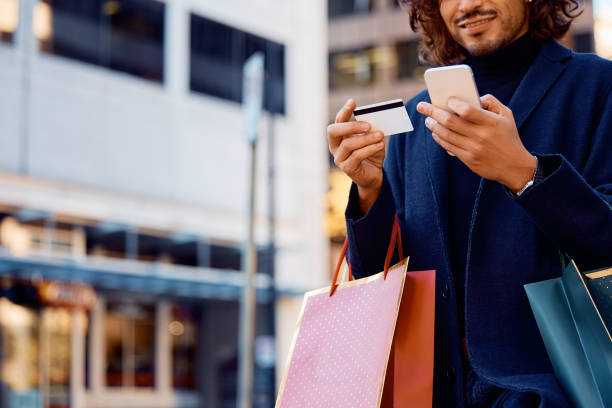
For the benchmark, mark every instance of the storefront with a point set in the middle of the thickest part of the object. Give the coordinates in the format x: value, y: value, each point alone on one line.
x: 111, y: 343
x: 39, y: 322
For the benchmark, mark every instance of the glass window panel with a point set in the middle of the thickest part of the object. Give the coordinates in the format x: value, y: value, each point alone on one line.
x: 144, y: 349
x: 20, y: 347
x: 130, y: 345
x: 183, y: 330
x: 56, y: 329
x: 338, y: 8
x: 9, y: 19
x: 351, y: 68
x: 218, y: 53
x: 225, y: 257
x: 408, y: 59
x: 124, y: 35
x: 214, y: 59
x: 114, y: 350
x: 274, y: 98
x: 584, y: 42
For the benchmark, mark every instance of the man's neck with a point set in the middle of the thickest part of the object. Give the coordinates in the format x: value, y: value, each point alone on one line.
x: 513, y: 59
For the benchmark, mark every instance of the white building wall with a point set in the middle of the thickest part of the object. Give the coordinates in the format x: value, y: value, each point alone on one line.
x: 101, y: 144
x: 91, y: 128
x: 10, y: 91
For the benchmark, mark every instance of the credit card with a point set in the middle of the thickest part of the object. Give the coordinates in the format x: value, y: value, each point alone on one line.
x: 389, y: 117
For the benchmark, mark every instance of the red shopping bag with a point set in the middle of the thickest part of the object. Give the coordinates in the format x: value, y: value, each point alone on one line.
x: 364, y: 343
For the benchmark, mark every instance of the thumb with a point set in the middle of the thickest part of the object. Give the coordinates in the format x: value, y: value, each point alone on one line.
x: 492, y: 104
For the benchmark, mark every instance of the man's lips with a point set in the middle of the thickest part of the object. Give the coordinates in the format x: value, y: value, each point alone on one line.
x: 476, y: 26
x: 475, y: 22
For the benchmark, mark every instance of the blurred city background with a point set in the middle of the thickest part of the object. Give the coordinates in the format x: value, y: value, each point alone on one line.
x: 124, y: 181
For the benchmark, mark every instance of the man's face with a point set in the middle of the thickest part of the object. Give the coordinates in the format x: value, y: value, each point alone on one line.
x: 484, y: 26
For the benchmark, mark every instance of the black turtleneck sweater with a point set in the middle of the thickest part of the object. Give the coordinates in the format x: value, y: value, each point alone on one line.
x: 498, y: 74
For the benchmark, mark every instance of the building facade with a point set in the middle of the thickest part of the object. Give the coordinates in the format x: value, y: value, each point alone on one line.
x: 123, y: 196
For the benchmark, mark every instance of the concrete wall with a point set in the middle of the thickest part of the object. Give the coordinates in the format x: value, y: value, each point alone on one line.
x: 80, y: 126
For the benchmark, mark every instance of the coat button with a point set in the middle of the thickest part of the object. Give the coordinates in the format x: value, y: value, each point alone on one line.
x: 451, y: 373
x: 446, y: 292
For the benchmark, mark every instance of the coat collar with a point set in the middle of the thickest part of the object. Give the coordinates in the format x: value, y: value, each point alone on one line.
x: 546, y: 68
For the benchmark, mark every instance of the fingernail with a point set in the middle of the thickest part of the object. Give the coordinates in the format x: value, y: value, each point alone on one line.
x: 429, y: 122
x: 421, y: 107
x: 365, y: 126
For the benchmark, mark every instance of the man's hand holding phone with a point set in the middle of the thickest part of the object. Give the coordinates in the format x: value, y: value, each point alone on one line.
x: 359, y: 153
x: 484, y: 139
x: 481, y: 132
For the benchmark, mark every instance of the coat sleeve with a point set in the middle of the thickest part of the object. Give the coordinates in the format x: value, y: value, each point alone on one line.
x: 369, y: 234
x: 574, y: 208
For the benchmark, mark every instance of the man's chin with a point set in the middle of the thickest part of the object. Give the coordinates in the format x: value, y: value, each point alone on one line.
x: 482, y: 46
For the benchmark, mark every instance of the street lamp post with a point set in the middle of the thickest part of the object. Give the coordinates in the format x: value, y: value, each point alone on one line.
x: 253, y: 77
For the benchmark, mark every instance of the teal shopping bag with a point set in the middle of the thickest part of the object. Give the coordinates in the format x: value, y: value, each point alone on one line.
x: 575, y: 334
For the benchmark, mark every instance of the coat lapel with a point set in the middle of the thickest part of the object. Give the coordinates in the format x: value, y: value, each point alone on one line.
x: 546, y: 68
x: 437, y: 163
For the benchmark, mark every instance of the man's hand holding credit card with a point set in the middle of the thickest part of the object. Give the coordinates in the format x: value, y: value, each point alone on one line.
x: 389, y: 117
x: 359, y: 147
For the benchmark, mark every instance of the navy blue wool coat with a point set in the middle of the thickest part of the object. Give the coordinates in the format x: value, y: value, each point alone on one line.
x: 563, y: 111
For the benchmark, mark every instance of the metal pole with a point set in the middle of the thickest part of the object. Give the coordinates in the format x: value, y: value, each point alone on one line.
x: 272, y: 238
x: 247, y: 309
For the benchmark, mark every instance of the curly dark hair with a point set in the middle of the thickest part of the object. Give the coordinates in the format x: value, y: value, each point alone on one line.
x: 547, y: 19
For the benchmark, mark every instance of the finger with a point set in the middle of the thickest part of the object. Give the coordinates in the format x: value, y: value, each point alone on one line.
x: 449, y: 147
x: 353, y: 143
x: 446, y: 119
x: 337, y: 131
x: 470, y: 112
x: 344, y: 114
x: 448, y: 135
x: 353, y: 161
x: 492, y: 104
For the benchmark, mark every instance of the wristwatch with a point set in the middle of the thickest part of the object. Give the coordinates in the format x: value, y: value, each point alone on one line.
x: 532, y: 181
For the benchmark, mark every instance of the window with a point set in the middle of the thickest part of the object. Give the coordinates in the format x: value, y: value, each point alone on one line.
x: 350, y: 68
x: 218, y: 53
x: 338, y: 8
x: 584, y: 42
x: 130, y: 345
x: 225, y: 257
x: 183, y: 330
x: 9, y: 19
x: 55, y: 338
x: 408, y: 65
x: 20, y: 344
x: 126, y: 35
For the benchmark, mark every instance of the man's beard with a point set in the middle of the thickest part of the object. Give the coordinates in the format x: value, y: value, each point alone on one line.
x: 488, y: 47
x: 508, y: 34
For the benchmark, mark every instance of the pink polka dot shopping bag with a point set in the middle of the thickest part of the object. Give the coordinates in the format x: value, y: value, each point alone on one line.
x: 364, y: 343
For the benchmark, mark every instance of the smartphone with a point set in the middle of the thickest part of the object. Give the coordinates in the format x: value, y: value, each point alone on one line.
x: 454, y: 80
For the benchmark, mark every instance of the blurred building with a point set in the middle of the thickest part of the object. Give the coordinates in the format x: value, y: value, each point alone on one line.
x: 373, y: 57
x: 602, y: 10
x: 123, y: 196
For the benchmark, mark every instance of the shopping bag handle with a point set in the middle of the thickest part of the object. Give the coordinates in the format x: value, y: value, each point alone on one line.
x: 396, y: 240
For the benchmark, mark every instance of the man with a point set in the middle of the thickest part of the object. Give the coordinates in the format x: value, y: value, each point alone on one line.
x: 529, y: 187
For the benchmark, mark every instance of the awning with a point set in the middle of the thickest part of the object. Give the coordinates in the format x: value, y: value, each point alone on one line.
x: 130, y: 275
